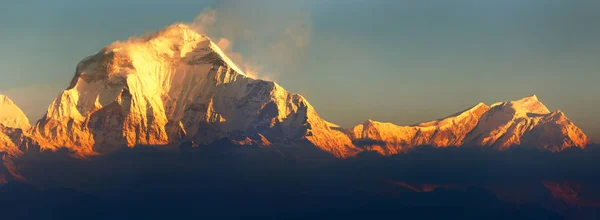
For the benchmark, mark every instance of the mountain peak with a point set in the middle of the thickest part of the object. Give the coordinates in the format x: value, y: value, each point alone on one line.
x: 526, y: 122
x: 176, y: 34
x: 502, y: 125
x: 177, y: 27
x: 11, y: 115
x: 5, y: 100
x: 176, y: 87
x: 180, y: 32
x: 172, y: 87
x: 524, y: 106
x: 530, y: 104
x: 173, y: 45
x: 180, y: 35
x: 531, y: 97
x: 477, y: 110
x: 174, y: 42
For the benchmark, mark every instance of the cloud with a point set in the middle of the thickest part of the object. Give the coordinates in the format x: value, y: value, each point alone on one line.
x: 204, y: 22
x: 263, y: 39
x: 257, y: 40
x: 224, y: 44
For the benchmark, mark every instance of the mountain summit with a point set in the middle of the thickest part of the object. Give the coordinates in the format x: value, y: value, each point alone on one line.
x: 13, y: 125
x: 11, y: 115
x: 172, y: 87
x: 387, y: 138
x: 525, y: 122
x: 176, y: 88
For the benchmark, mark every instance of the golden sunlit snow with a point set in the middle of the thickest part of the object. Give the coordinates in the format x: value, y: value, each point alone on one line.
x: 177, y: 86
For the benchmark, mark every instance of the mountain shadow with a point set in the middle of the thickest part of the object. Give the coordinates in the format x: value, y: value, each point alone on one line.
x: 232, y: 182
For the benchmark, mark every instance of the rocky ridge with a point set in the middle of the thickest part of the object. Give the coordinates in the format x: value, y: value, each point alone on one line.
x: 176, y: 87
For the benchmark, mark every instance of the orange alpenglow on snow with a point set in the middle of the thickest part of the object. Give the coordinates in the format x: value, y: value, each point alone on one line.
x: 11, y: 115
x: 176, y: 86
x: 13, y: 127
x: 526, y: 122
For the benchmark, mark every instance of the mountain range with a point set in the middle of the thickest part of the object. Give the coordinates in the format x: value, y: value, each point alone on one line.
x: 166, y: 125
x: 176, y: 88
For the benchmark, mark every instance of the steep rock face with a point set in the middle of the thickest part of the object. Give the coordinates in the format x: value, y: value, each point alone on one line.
x: 8, y: 170
x: 388, y: 138
x: 8, y: 145
x: 13, y: 139
x: 175, y: 86
x: 526, y: 122
x: 11, y: 115
x: 13, y: 127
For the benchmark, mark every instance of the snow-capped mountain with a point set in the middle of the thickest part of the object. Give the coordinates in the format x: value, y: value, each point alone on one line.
x: 524, y: 122
x: 13, y: 127
x: 13, y: 138
x: 177, y: 88
x: 8, y: 144
x: 11, y: 115
x: 387, y: 138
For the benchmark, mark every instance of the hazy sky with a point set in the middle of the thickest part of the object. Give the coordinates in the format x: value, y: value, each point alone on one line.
x: 398, y: 61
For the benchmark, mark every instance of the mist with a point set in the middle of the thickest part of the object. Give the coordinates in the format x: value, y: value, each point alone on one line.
x: 263, y: 39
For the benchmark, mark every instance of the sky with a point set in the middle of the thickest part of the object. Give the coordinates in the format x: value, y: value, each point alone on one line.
x: 400, y: 61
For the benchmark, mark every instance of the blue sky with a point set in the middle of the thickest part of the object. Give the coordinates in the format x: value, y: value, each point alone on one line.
x: 398, y: 61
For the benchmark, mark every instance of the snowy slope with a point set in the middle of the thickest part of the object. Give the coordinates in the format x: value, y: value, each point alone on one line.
x: 525, y: 122
x: 174, y: 86
x: 387, y: 138
x: 13, y: 128
x: 177, y: 87
x: 11, y: 115
x: 14, y: 140
x: 7, y: 144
